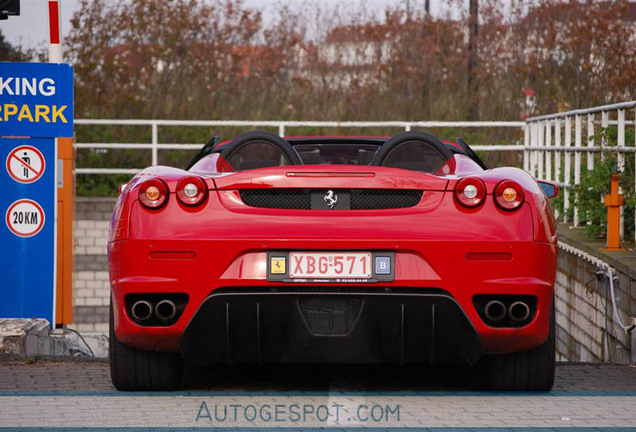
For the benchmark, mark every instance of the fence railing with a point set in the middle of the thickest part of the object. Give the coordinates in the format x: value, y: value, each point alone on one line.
x: 283, y: 128
x: 558, y: 147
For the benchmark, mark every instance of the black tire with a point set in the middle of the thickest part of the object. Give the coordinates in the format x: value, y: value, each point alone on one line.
x: 531, y: 370
x: 133, y: 369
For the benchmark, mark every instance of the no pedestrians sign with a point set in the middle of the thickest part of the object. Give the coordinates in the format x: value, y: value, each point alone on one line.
x: 25, y: 164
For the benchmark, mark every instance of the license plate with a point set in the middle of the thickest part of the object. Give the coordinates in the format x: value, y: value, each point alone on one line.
x: 330, y: 265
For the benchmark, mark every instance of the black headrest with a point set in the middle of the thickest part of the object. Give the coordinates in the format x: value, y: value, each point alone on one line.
x: 262, y: 136
x: 414, y: 166
x: 404, y: 137
x: 257, y: 163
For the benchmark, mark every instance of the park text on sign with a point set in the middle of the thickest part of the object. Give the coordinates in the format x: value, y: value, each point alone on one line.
x: 36, y: 99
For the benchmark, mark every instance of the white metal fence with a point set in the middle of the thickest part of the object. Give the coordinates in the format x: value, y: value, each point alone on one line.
x: 555, y: 145
x: 283, y: 128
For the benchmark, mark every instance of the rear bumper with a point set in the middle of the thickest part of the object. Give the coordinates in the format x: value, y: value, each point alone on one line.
x: 201, y: 251
x: 330, y: 327
x: 201, y: 268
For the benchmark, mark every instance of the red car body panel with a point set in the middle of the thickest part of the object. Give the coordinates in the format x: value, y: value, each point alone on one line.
x: 437, y: 244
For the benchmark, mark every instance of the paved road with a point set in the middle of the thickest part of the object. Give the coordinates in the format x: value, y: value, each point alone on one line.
x: 79, y: 394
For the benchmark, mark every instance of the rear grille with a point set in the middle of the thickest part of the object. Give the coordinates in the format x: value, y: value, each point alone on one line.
x: 319, y: 199
x: 330, y: 289
x: 330, y: 315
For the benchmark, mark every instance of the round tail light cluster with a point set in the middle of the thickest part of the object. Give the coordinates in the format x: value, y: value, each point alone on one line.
x: 509, y: 195
x: 470, y: 192
x: 191, y: 191
x: 153, y: 193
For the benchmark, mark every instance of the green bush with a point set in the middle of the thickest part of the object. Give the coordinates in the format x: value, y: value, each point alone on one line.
x: 100, y: 185
x: 595, y: 184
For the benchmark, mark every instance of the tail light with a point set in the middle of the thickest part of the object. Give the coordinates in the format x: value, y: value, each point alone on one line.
x: 153, y: 193
x: 191, y: 191
x: 470, y: 192
x: 509, y: 195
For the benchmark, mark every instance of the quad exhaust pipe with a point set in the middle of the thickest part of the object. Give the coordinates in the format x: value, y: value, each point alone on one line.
x: 141, y: 310
x: 495, y: 310
x: 519, y: 311
x: 166, y: 310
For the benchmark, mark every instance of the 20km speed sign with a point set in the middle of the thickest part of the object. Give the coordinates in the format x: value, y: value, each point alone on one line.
x: 25, y: 218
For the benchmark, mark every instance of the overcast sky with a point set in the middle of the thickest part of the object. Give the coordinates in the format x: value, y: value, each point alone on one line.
x: 30, y: 29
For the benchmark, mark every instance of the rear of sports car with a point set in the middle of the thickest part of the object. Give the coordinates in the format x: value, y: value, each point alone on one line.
x: 332, y: 264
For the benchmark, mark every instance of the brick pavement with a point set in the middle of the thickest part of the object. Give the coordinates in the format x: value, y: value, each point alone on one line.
x: 78, y: 393
x: 76, y: 375
x: 317, y: 410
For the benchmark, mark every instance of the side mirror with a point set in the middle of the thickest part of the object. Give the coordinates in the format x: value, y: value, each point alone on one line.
x: 549, y: 189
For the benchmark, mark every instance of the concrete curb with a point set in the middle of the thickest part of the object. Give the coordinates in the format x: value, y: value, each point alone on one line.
x: 34, y: 337
x: 29, y: 337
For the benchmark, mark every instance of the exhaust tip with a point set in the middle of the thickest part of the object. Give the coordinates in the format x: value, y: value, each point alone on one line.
x: 519, y: 311
x: 495, y: 310
x: 141, y: 310
x: 166, y: 310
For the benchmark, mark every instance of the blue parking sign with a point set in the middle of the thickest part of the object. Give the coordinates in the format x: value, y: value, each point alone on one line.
x: 36, y: 99
x: 28, y: 231
x: 36, y: 105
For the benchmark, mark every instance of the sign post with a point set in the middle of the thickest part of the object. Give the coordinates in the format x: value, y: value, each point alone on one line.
x: 36, y: 106
x: 28, y: 234
x: 55, y: 32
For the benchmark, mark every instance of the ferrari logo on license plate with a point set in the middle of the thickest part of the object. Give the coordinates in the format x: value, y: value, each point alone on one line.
x: 277, y: 265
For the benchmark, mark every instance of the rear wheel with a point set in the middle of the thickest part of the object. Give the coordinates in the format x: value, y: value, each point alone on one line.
x: 136, y: 369
x: 531, y: 370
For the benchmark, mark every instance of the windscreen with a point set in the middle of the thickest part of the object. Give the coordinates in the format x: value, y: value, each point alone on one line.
x: 336, y: 154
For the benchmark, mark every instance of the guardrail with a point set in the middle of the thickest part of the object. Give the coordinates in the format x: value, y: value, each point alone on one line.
x: 551, y: 147
x: 282, y: 126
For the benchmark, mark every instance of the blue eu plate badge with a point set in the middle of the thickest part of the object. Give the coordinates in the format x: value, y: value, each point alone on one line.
x: 382, y: 265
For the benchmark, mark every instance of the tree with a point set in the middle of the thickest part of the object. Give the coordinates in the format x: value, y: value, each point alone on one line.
x: 12, y: 53
x: 201, y: 60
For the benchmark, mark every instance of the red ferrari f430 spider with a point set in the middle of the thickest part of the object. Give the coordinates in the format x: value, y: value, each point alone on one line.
x: 346, y: 250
